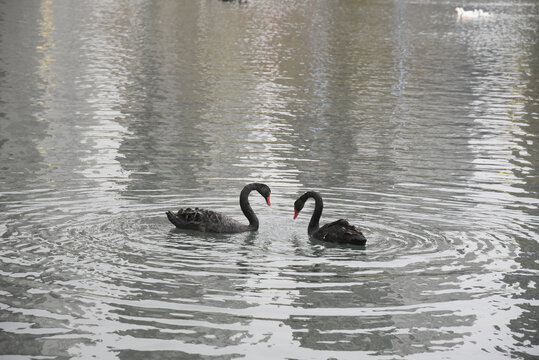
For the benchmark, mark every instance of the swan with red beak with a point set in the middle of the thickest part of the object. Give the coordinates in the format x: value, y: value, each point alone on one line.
x: 213, y: 221
x: 339, y: 231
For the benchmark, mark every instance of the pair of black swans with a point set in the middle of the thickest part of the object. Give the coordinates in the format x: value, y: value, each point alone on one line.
x: 339, y: 231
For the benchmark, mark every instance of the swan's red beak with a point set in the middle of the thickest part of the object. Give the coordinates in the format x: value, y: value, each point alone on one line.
x: 268, y: 200
x: 296, y: 213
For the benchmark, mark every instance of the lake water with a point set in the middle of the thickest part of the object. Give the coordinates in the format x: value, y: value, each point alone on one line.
x: 418, y: 127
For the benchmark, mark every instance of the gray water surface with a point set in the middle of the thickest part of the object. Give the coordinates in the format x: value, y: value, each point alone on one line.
x: 416, y: 126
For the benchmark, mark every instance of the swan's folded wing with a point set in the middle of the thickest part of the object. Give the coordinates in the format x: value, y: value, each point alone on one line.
x: 184, y: 220
x: 340, y: 231
x: 205, y: 220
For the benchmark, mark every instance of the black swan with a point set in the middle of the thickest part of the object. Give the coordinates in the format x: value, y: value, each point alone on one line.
x: 211, y: 221
x: 339, y: 231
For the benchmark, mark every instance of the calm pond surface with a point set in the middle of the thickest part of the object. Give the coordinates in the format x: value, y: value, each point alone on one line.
x: 419, y: 127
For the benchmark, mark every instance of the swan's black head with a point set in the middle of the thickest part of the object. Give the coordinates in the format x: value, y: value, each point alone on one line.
x: 265, y: 191
x: 299, y: 203
x: 298, y: 206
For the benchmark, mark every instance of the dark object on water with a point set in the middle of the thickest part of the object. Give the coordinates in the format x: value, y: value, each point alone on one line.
x: 339, y: 231
x: 211, y: 221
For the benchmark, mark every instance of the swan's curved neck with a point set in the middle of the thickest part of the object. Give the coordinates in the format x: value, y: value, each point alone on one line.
x: 246, y: 207
x: 317, y: 213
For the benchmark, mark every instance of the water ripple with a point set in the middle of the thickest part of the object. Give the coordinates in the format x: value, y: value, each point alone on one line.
x: 421, y: 131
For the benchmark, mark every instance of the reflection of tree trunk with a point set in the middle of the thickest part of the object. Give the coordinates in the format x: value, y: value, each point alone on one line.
x: 527, y: 258
x: 347, y: 332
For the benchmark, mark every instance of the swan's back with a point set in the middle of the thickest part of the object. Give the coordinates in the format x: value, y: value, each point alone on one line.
x: 205, y: 220
x: 341, y: 232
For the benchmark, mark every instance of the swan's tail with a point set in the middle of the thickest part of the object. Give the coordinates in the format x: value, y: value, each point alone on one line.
x: 174, y: 219
x: 352, y: 235
x: 356, y: 238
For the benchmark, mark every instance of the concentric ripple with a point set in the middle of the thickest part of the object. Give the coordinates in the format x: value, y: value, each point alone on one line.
x: 105, y: 285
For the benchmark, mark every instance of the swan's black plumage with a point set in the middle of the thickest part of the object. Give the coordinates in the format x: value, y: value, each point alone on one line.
x: 339, y: 231
x: 212, y: 221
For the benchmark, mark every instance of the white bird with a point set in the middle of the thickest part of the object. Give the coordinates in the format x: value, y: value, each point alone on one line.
x: 475, y: 13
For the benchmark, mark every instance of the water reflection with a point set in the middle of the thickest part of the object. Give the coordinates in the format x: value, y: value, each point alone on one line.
x: 19, y: 155
x: 107, y: 66
x: 417, y: 127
